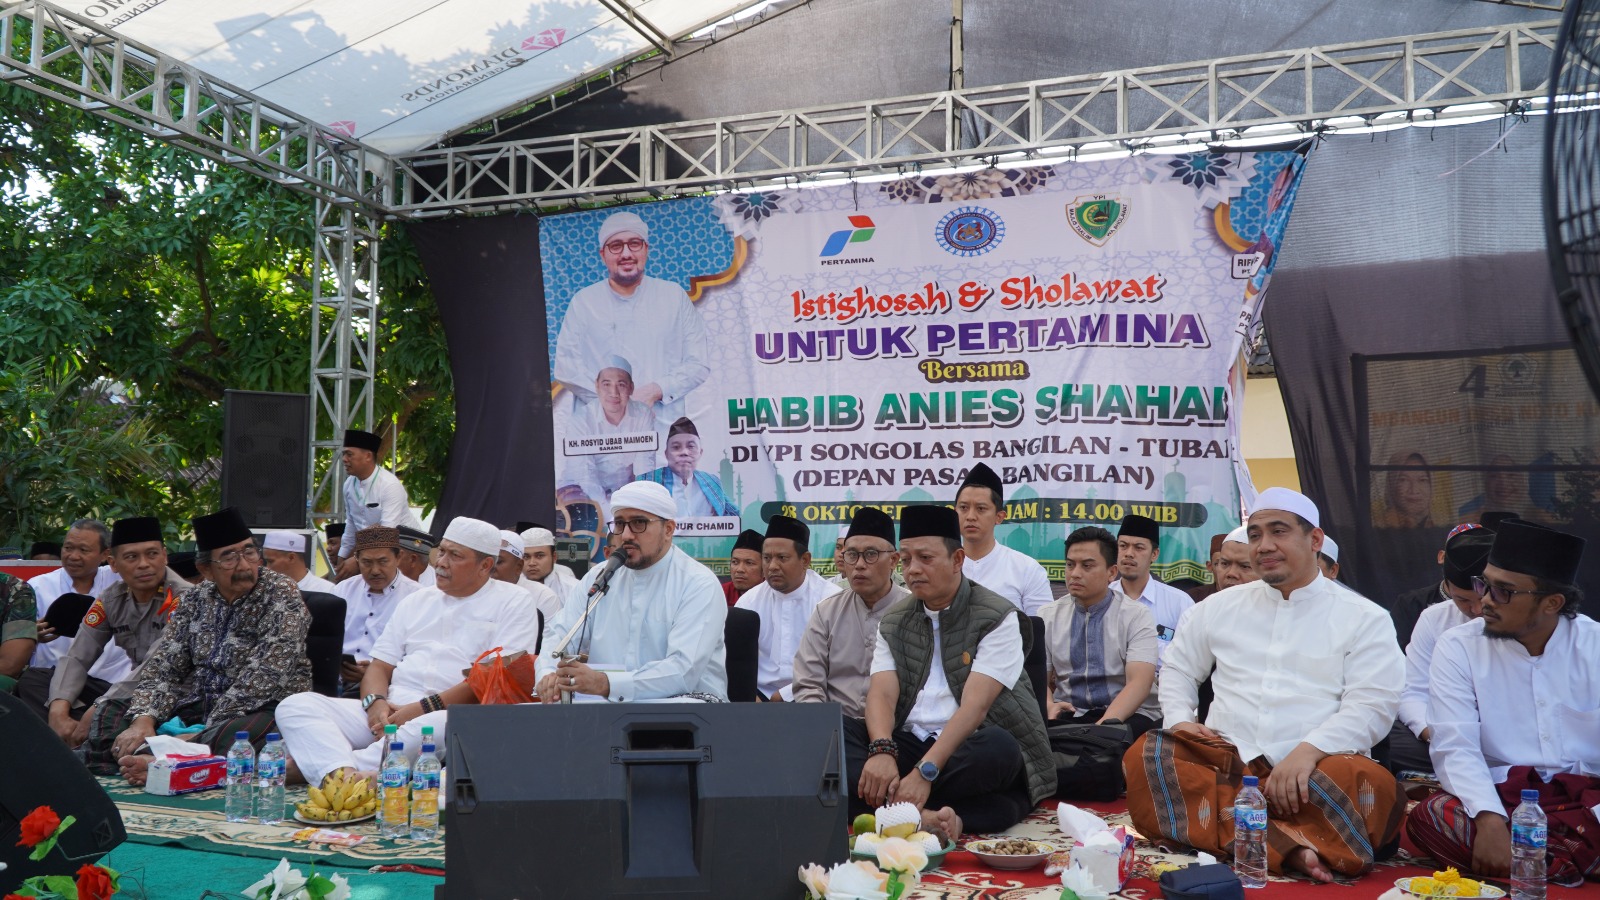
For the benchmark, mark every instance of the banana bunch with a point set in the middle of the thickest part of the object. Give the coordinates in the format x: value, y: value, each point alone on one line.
x: 341, y: 798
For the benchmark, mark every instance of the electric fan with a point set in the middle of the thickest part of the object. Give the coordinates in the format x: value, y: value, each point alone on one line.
x: 1572, y: 180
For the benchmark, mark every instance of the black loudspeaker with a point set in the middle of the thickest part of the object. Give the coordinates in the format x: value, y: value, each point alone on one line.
x: 266, y: 446
x: 641, y: 799
x: 41, y: 771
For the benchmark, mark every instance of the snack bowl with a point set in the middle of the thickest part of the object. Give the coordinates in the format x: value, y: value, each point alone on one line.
x: 993, y: 853
x: 934, y: 859
x: 1486, y: 891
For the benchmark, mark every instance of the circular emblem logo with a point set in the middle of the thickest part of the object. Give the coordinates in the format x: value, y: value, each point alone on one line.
x: 970, y: 231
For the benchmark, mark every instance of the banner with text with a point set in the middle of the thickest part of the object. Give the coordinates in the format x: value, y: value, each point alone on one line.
x: 810, y: 351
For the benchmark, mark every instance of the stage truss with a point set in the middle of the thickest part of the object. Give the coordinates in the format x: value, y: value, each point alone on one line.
x: 1441, y: 77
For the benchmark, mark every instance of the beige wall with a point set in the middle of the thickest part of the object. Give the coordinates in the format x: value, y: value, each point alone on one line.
x: 1268, y: 451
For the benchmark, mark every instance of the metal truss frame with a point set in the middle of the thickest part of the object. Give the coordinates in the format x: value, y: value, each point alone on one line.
x: 1437, y: 77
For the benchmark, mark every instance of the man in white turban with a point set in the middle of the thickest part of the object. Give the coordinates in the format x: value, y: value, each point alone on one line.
x: 648, y: 321
x: 656, y: 631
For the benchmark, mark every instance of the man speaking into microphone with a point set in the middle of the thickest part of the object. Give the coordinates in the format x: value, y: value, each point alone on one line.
x: 656, y: 631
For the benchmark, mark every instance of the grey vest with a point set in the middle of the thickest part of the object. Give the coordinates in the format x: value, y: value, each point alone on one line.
x: 975, y: 612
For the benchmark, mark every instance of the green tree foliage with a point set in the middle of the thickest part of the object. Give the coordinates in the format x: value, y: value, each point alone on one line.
x: 131, y: 263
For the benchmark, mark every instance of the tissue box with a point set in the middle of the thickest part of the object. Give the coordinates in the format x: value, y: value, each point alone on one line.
x: 175, y: 775
x: 1109, y: 863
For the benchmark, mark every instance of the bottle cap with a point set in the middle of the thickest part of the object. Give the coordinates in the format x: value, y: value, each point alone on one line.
x: 427, y: 730
x: 241, y: 735
x: 1530, y: 796
x: 390, y: 729
x: 1251, y: 781
x: 273, y: 736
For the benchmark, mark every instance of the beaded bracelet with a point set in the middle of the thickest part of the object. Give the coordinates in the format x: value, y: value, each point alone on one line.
x: 883, y: 745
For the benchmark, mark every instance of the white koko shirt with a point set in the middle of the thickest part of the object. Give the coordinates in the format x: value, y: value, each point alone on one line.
x: 432, y: 636
x: 1434, y: 621
x: 783, y: 623
x: 1013, y: 575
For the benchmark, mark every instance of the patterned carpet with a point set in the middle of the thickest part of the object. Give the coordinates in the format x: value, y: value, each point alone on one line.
x: 195, y: 821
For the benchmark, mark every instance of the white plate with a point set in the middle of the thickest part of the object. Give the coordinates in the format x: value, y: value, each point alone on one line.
x: 334, y: 823
x: 1490, y: 892
x: 1009, y: 860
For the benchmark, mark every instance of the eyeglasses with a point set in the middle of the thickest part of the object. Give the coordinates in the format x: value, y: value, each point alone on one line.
x: 234, y: 557
x: 1498, y: 594
x: 615, y: 247
x: 637, y: 526
x: 870, y: 556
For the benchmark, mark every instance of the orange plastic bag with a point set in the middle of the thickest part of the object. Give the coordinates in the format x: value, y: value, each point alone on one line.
x: 504, y: 679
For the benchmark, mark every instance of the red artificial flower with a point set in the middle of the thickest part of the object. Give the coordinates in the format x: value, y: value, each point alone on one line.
x: 38, y: 826
x: 94, y: 883
x: 15, y: 897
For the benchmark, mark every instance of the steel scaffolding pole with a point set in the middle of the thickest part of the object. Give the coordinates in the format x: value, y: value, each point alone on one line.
x: 1437, y: 77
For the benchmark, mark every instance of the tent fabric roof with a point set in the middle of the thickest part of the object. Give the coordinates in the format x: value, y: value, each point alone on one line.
x: 399, y: 75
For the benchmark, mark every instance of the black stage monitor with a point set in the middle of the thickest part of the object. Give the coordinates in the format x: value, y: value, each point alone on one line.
x: 641, y: 799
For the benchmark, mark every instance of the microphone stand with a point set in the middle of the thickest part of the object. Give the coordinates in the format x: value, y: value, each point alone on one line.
x: 602, y: 583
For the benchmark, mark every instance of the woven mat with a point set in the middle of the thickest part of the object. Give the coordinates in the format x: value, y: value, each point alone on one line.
x: 195, y: 821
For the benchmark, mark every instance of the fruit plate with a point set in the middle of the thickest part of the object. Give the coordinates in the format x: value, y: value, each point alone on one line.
x: 335, y: 823
x: 934, y: 859
x: 987, y: 853
x: 1486, y: 891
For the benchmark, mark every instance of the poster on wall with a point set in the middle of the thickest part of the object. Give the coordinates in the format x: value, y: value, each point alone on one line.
x: 812, y: 350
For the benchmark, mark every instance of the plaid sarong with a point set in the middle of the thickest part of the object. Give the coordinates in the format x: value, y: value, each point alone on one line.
x: 1181, y: 788
x: 111, y: 719
x: 1440, y: 826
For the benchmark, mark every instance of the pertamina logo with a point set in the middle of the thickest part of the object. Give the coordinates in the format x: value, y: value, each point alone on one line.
x: 861, y: 231
x: 1096, y: 217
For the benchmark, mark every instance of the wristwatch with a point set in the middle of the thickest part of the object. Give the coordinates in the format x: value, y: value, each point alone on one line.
x: 928, y: 770
x: 368, y: 700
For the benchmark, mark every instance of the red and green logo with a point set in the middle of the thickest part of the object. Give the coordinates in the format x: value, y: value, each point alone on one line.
x: 860, y: 232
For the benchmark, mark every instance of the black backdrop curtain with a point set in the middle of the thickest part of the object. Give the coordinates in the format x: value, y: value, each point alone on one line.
x: 486, y: 281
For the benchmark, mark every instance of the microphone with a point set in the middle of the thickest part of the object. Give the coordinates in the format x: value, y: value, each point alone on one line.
x: 603, y: 580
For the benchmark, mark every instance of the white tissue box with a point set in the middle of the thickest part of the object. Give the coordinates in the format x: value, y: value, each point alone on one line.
x: 1108, y: 862
x: 185, y: 775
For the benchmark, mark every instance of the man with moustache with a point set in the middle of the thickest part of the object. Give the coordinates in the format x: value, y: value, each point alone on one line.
x: 1138, y: 547
x: 1234, y: 565
x: 1514, y: 704
x: 657, y: 630
x: 834, y: 662
x: 83, y: 571
x: 744, y: 565
x: 1307, y: 679
x: 784, y: 601
x: 370, y: 600
x: 414, y: 676
x: 131, y: 614
x: 508, y: 568
x: 234, y: 648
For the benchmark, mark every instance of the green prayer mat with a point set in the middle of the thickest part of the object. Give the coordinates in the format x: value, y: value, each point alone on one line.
x: 196, y: 821
x: 175, y: 873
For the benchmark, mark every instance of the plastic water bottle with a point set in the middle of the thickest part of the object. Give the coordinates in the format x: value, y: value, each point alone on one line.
x: 1250, y: 835
x: 394, y: 783
x: 239, y: 800
x: 269, y: 780
x: 1527, y: 849
x: 425, y: 793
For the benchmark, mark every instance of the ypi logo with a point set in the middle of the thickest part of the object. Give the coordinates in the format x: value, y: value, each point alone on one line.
x: 860, y: 232
x: 970, y: 231
x: 1096, y: 217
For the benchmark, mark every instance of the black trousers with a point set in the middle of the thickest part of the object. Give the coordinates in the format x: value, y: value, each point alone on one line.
x: 1403, y: 751
x: 34, y: 690
x: 984, y: 780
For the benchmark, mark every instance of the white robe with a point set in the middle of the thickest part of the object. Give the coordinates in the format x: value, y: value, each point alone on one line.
x: 380, y: 500
x: 1013, y: 575
x: 316, y: 583
x: 657, y: 329
x: 1322, y: 667
x: 1167, y: 604
x: 662, y: 626
x: 598, y: 474
x: 783, y: 624
x: 366, y: 614
x: 1434, y: 621
x: 113, y: 664
x: 1493, y: 706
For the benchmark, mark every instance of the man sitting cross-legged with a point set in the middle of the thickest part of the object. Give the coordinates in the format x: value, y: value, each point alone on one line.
x: 1307, y: 679
x: 415, y: 672
x: 1514, y: 704
x: 234, y: 647
x: 952, y: 725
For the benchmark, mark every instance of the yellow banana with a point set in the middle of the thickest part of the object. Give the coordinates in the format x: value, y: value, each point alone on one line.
x: 317, y: 797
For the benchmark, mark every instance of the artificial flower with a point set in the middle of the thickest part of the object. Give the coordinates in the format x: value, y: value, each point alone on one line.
x: 857, y: 881
x: 900, y: 855
x: 279, y: 884
x: 94, y: 883
x: 38, y: 825
x: 815, y: 879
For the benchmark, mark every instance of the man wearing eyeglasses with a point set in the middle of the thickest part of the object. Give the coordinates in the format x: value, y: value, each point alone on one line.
x: 234, y: 647
x: 656, y: 632
x: 1307, y: 679
x: 1515, y: 704
x: 784, y: 602
x: 1455, y: 602
x: 648, y: 321
x: 834, y: 661
x: 370, y: 600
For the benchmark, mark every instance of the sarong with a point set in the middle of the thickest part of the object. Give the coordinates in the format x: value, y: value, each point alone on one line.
x: 111, y: 719
x: 1181, y: 788
x: 1440, y: 826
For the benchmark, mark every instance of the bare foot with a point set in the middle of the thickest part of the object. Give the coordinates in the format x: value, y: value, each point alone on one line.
x: 943, y: 824
x: 134, y: 768
x: 1306, y: 861
x: 292, y: 773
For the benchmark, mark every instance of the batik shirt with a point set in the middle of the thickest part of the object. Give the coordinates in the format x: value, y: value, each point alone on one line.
x: 18, y: 611
x: 232, y: 659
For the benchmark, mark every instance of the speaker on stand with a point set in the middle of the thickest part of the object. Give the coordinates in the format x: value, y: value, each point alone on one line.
x: 266, y: 447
